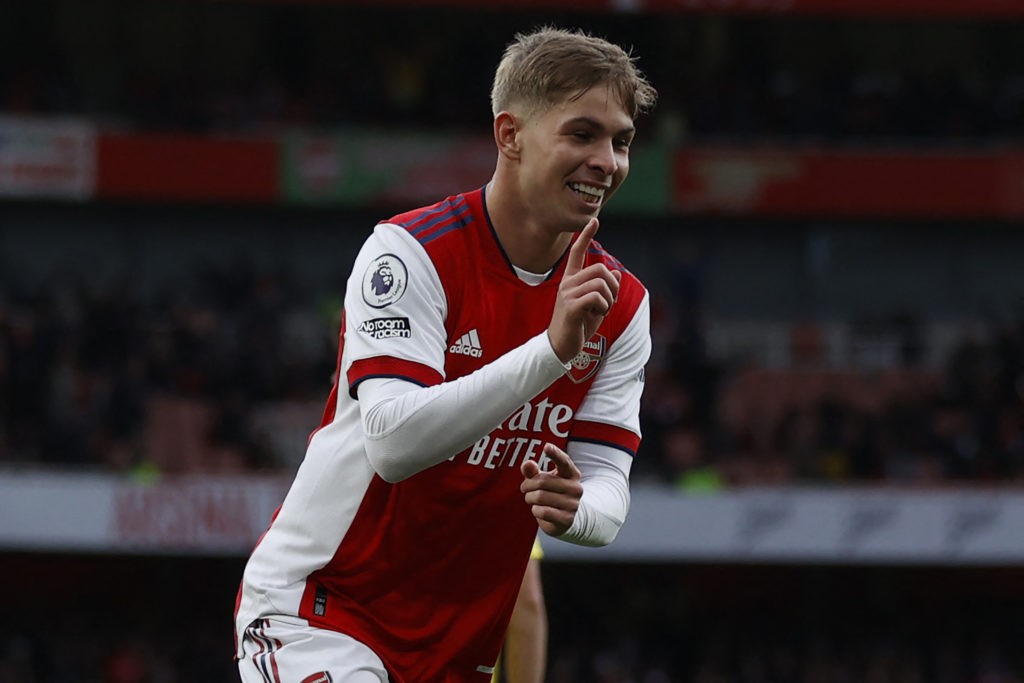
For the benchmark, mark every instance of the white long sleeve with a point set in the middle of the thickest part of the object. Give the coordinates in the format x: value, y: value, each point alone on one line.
x: 605, y: 502
x: 409, y: 428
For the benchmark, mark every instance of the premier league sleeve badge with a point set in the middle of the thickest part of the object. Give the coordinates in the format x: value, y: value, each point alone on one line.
x: 384, y: 281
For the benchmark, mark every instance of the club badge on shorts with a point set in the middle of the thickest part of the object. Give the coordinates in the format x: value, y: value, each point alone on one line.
x: 319, y: 677
x: 588, y: 360
x: 384, y: 281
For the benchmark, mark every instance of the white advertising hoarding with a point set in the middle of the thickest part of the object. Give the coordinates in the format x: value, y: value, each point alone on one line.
x: 225, y: 515
x: 47, y: 158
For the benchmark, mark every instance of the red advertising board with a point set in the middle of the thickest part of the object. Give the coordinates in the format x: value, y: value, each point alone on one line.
x: 186, y: 168
x: 750, y: 180
x: 885, y: 183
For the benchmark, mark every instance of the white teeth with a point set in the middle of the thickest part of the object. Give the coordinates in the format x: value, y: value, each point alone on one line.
x: 589, y: 190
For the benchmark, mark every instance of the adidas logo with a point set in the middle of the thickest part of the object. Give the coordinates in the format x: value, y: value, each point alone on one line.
x: 468, y: 345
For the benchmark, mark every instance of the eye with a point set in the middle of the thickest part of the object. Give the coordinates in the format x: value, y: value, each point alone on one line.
x: 622, y: 143
x: 582, y: 136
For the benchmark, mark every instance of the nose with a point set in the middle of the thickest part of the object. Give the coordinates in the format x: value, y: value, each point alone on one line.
x: 604, y: 158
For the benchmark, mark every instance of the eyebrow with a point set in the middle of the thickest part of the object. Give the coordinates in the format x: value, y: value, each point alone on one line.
x: 594, y: 123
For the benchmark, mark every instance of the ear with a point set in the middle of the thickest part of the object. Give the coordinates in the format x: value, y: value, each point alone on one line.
x: 506, y: 134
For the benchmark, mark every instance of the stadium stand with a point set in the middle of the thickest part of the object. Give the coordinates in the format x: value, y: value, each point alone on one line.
x: 813, y: 335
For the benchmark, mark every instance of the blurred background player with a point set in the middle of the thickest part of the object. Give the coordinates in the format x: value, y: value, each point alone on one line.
x: 525, y: 653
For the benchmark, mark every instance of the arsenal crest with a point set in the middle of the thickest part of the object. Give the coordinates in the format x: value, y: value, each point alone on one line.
x: 588, y: 360
x: 321, y: 677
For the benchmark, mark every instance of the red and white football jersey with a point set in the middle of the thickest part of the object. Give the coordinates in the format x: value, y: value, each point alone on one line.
x: 426, y: 571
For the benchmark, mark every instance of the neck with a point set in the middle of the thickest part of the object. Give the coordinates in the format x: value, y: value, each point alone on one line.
x: 528, y: 243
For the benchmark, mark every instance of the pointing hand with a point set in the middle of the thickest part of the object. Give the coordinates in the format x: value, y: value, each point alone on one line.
x: 553, y: 495
x: 585, y: 295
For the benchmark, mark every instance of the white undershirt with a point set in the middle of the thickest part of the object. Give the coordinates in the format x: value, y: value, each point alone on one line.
x: 532, y: 279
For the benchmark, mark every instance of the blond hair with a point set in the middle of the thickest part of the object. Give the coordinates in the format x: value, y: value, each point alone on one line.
x: 543, y: 68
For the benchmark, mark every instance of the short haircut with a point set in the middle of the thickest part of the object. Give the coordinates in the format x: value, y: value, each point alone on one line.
x: 550, y: 65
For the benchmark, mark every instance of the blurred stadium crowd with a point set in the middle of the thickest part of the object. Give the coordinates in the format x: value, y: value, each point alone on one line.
x: 698, y: 624
x: 242, y: 67
x: 228, y: 372
x: 127, y: 382
x: 226, y: 368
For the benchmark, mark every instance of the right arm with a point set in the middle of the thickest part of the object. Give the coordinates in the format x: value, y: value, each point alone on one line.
x: 410, y: 427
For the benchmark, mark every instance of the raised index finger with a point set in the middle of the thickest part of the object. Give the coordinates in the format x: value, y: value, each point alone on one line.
x: 578, y: 252
x: 564, y: 465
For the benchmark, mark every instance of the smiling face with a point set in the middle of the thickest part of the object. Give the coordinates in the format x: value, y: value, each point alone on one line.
x: 573, y: 156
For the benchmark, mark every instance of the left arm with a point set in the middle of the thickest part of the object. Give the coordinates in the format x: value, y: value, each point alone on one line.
x: 585, y: 498
x: 605, y: 501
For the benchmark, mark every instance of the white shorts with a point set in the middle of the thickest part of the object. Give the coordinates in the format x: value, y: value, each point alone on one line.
x: 284, y: 649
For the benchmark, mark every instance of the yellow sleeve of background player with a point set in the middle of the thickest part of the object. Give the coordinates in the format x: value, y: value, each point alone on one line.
x: 536, y: 553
